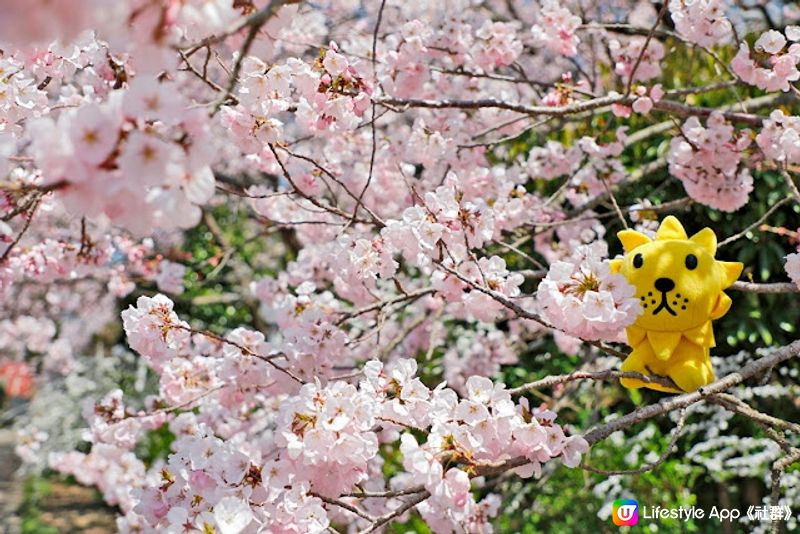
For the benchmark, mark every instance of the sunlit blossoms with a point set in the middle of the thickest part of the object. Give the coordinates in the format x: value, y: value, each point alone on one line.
x: 771, y: 50
x: 707, y: 160
x: 111, y: 161
x: 154, y: 330
x: 555, y: 29
x: 779, y: 139
x: 635, y: 61
x: 701, y: 21
x: 583, y: 298
x: 793, y: 267
x: 592, y: 166
x: 327, y: 441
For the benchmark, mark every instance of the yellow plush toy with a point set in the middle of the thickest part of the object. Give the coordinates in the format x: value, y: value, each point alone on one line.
x: 680, y: 287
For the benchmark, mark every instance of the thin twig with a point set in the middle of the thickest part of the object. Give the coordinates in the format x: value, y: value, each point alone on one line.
x: 763, y: 218
x: 255, y: 23
x: 607, y: 374
x: 651, y: 465
x: 374, y: 149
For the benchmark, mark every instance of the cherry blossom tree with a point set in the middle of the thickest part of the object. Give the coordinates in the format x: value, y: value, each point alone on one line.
x: 406, y: 201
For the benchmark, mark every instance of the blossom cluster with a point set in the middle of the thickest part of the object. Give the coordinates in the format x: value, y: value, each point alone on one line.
x: 701, y: 21
x: 592, y: 167
x: 330, y: 95
x: 136, y: 158
x: 779, y: 138
x: 478, y: 352
x: 154, y: 330
x: 324, y: 444
x: 637, y: 58
x: 771, y: 49
x: 583, y: 298
x: 556, y: 29
x: 706, y: 159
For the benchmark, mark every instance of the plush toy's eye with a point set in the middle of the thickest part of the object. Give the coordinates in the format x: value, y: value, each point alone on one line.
x: 638, y: 261
x: 691, y: 262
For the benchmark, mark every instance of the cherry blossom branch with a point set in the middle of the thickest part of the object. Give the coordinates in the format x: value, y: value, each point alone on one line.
x: 768, y: 423
x: 630, y: 29
x: 201, y: 76
x: 374, y: 140
x: 778, y: 287
x: 350, y: 508
x: 678, y: 402
x: 647, y: 40
x: 750, y: 370
x: 778, y: 468
x: 256, y: 19
x: 395, y: 342
x: 522, y: 313
x: 255, y: 23
x: 22, y: 232
x: 382, y: 304
x: 246, y: 351
x: 386, y: 518
x: 682, y: 110
x: 384, y: 494
x: 647, y: 169
x: 606, y: 374
x: 760, y: 221
x: 676, y: 433
x: 378, y: 221
x: 736, y: 405
x: 658, y: 164
x: 790, y: 183
x: 16, y: 187
x: 313, y: 200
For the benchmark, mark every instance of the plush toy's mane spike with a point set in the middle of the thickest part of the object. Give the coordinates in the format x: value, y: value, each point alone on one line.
x: 731, y: 272
x: 631, y: 239
x: 671, y: 229
x: 707, y: 239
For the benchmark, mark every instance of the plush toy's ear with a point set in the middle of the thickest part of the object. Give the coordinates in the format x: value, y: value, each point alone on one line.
x: 730, y: 272
x: 707, y: 239
x: 721, y: 307
x: 671, y: 228
x: 631, y: 239
x: 616, y: 265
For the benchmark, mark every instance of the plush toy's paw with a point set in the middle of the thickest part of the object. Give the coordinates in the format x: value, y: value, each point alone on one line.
x: 636, y: 362
x: 635, y: 383
x: 692, y: 374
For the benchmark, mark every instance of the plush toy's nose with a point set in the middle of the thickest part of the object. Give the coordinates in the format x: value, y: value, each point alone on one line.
x: 665, y: 284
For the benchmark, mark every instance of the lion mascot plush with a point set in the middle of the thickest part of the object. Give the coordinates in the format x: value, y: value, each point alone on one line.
x: 680, y: 288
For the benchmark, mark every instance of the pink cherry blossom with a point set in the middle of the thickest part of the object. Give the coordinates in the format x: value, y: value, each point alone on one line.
x: 555, y: 29
x: 707, y: 161
x: 701, y: 21
x: 793, y: 267
x: 581, y: 297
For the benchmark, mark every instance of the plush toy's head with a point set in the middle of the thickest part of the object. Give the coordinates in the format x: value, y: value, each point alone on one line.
x: 678, y: 282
